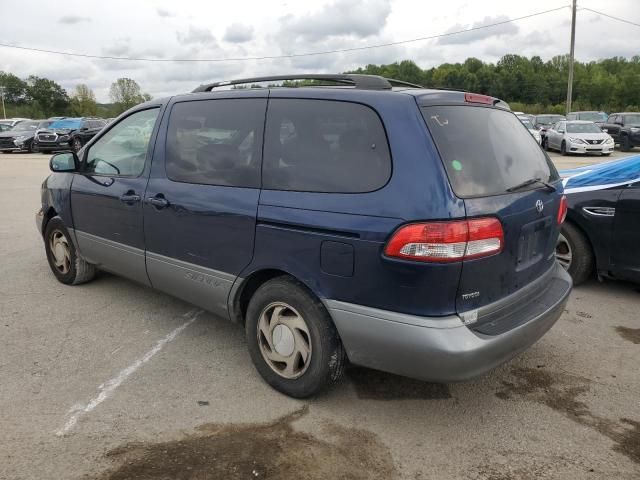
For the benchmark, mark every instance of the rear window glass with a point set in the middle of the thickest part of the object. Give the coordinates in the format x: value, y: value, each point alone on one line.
x: 216, y: 142
x: 324, y: 146
x: 485, y: 150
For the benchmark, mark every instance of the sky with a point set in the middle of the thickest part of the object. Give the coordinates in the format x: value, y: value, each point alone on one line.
x: 164, y: 29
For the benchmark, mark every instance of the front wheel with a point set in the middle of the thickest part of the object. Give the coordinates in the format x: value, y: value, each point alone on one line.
x: 64, y: 261
x: 76, y: 144
x: 574, y: 254
x: 292, y: 340
x: 625, y: 144
x: 563, y: 148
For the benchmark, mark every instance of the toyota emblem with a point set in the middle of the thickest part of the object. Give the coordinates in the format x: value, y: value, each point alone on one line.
x: 539, y: 206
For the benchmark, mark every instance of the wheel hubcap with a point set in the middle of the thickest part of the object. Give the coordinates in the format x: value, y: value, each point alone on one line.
x: 60, y: 251
x: 563, y: 252
x: 284, y: 340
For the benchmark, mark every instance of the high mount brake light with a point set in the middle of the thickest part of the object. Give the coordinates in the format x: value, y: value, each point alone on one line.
x: 562, y: 210
x: 448, y: 241
x: 477, y: 98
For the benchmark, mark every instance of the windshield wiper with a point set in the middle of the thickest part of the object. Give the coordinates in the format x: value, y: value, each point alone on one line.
x: 532, y: 181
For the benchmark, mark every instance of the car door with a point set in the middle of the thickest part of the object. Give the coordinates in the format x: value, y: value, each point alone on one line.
x: 625, y: 260
x: 554, y: 136
x: 613, y: 127
x: 202, y: 198
x: 106, y: 195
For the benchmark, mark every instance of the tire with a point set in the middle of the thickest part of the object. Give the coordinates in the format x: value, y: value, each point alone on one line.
x: 625, y: 144
x: 76, y: 144
x: 545, y: 144
x: 281, y: 362
x: 563, y: 149
x: 64, y: 261
x: 576, y: 256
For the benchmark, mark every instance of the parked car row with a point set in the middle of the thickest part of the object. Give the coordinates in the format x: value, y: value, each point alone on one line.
x: 585, y: 132
x: 53, y: 134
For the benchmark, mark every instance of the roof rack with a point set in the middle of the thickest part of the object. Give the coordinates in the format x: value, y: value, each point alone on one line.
x: 362, y: 82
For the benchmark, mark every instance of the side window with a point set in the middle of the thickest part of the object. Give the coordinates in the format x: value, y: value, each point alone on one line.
x: 324, y: 146
x: 216, y: 142
x: 123, y: 149
x: 571, y: 116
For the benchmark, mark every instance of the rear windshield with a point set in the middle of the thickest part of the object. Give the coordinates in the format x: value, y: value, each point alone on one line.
x: 549, y: 119
x: 593, y: 116
x: 583, y: 128
x: 486, y: 150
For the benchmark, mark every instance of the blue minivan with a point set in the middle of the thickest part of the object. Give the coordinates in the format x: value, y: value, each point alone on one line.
x: 352, y: 219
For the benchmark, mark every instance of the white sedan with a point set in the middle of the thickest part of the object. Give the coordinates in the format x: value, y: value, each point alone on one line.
x: 578, y: 136
x: 532, y: 130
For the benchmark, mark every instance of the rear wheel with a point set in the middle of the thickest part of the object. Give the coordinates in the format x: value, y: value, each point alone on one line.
x: 573, y: 252
x: 292, y: 340
x: 545, y: 144
x: 64, y: 261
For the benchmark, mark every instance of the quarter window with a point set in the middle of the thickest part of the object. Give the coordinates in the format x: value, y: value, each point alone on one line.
x: 122, y: 151
x: 324, y: 146
x: 216, y: 142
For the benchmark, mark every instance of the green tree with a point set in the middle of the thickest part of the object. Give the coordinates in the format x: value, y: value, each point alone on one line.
x: 83, y: 102
x: 15, y: 89
x: 125, y: 93
x: 47, y: 96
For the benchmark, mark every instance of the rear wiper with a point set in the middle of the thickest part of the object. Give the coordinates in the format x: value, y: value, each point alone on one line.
x: 532, y: 181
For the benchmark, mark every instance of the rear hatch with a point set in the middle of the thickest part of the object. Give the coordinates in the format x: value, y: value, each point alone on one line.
x: 491, y: 161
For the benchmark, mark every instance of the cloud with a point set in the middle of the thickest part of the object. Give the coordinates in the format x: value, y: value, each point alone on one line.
x: 478, y: 35
x: 357, y: 18
x: 72, y: 19
x: 238, y: 33
x: 164, y: 13
x: 120, y: 48
x: 195, y: 35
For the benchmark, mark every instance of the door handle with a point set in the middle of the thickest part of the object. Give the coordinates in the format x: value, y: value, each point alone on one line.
x: 130, y: 198
x: 158, y: 202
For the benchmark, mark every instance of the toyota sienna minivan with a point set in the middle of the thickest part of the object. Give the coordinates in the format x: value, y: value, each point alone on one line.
x: 358, y: 219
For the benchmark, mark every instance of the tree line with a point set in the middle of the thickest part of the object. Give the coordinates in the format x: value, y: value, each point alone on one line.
x: 530, y: 84
x: 527, y: 84
x: 37, y: 97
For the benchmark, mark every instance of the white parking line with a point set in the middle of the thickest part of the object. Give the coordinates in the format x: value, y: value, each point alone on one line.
x: 107, y: 388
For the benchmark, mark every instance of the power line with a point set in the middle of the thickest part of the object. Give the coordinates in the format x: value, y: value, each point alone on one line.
x: 293, y: 55
x: 610, y: 16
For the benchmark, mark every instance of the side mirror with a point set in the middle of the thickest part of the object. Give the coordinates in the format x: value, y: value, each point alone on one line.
x: 84, y: 129
x: 64, y: 162
x: 605, y: 130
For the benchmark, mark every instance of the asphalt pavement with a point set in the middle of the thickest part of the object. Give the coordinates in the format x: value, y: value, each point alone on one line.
x: 111, y: 380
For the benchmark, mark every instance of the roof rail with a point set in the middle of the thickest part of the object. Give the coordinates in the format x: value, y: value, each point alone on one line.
x: 363, y: 82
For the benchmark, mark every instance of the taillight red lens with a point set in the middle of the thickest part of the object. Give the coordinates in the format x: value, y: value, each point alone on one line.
x: 562, y: 210
x: 447, y: 241
x: 477, y: 98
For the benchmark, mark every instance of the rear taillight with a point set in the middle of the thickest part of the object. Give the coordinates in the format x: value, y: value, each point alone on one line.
x: 562, y: 210
x: 449, y: 241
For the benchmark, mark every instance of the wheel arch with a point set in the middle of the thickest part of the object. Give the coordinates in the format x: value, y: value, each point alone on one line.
x: 244, y: 288
x: 571, y: 219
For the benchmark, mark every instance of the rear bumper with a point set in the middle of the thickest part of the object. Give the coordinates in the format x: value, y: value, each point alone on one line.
x: 440, y: 349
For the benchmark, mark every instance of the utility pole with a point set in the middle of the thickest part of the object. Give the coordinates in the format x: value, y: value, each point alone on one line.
x: 571, y: 52
x: 4, y: 113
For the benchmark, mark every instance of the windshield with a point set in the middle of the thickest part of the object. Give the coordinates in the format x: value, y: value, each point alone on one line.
x: 485, y: 150
x: 70, y: 123
x: 593, y: 116
x: 549, y: 119
x: 583, y: 128
x: 632, y: 119
x: 26, y: 127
